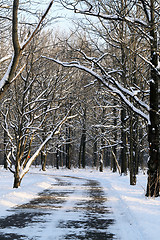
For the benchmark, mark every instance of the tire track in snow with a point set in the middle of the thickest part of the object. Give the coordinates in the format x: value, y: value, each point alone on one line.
x: 94, y: 217
x: 72, y: 208
x: 26, y: 220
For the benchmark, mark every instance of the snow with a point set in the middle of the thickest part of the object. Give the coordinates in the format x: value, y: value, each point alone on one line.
x: 56, y: 130
x: 5, y: 77
x: 137, y: 217
x: 10, y: 197
x: 107, y: 82
x: 158, y: 67
x: 5, y: 58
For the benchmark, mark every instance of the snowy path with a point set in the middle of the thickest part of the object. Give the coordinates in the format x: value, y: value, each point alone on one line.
x: 72, y: 208
x: 71, y: 200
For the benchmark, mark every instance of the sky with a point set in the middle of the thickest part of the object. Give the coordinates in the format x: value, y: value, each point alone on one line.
x: 62, y: 17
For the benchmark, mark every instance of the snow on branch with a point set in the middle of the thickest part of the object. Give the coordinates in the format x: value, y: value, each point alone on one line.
x: 6, y: 128
x: 113, y: 88
x: 131, y: 94
x: 18, y: 48
x: 116, y: 83
x: 4, y: 80
x: 55, y: 131
x: 5, y: 58
x: 19, y: 72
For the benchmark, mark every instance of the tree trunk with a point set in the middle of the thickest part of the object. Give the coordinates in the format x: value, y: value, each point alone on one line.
x: 4, y: 149
x: 136, y: 147
x: 17, y: 180
x: 159, y: 107
x: 101, y: 161
x: 114, y: 165
x: 123, y: 156
x: 68, y: 148
x: 84, y: 148
x: 95, y: 153
x: 153, y: 128
x: 43, y: 160
x: 80, y: 154
x: 132, y: 154
x: 61, y: 156
x: 57, y: 158
x: 123, y: 111
x: 102, y: 152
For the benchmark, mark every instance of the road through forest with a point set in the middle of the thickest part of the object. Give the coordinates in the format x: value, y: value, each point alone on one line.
x: 72, y: 208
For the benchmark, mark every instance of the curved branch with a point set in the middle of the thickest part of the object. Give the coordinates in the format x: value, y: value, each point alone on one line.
x: 6, y: 81
x: 55, y: 131
x: 15, y: 39
x: 113, y: 17
x: 116, y: 83
x: 112, y: 88
x: 38, y: 25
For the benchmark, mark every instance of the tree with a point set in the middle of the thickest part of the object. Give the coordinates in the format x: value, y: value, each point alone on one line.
x: 20, y: 155
x: 18, y: 49
x: 30, y: 112
x: 153, y: 185
x: 145, y: 27
x: 82, y: 148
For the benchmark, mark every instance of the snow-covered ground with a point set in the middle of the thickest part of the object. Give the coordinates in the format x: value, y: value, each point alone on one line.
x: 137, y: 217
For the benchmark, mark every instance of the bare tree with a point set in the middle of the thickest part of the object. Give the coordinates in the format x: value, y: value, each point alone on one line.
x: 30, y: 112
x: 145, y: 27
x: 18, y: 48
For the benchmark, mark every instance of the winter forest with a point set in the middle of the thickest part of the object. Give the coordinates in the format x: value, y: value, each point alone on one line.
x: 87, y: 95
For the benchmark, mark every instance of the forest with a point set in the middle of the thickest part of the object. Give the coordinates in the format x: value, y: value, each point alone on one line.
x: 88, y: 96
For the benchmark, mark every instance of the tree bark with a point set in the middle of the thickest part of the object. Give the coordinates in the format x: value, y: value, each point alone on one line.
x: 4, y: 149
x: 17, y: 180
x: 123, y: 80
x: 43, y: 160
x: 153, y: 128
x: 123, y: 156
x: 95, y: 153
x: 83, y: 147
x: 132, y: 153
x: 84, y: 140
x: 68, y: 148
x: 10, y: 74
x: 114, y: 166
x: 57, y: 158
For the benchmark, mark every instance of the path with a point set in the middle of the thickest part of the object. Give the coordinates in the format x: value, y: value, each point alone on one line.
x: 73, y: 208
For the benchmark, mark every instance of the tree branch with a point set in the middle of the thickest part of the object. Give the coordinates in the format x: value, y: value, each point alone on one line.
x: 55, y: 131
x: 38, y: 25
x: 108, y: 84
x: 6, y: 81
